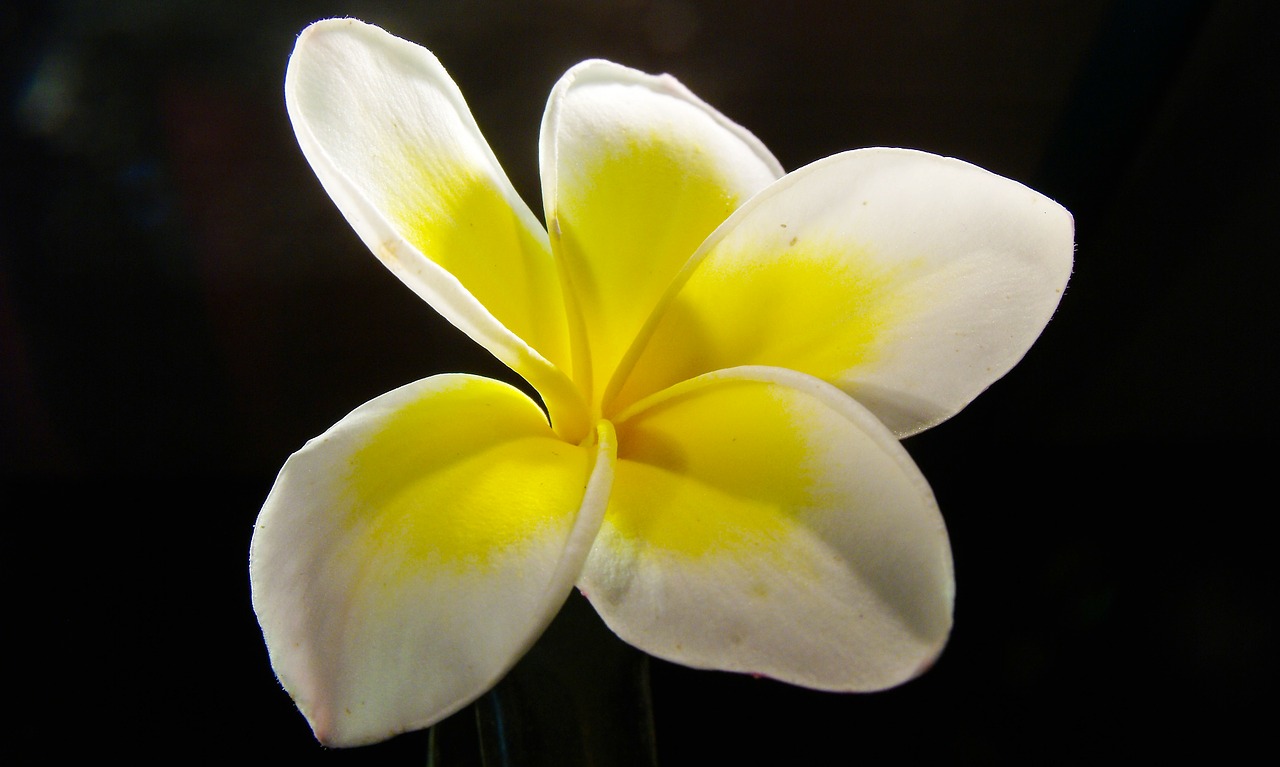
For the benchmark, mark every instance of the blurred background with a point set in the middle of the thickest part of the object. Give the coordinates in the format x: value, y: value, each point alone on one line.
x: 181, y: 307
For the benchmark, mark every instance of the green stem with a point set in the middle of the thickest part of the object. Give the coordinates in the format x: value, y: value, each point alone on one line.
x: 580, y: 697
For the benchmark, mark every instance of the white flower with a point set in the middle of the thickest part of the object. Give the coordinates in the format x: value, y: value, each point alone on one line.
x: 727, y: 356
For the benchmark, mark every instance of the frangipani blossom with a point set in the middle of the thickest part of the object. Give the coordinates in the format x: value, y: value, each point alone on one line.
x: 727, y: 357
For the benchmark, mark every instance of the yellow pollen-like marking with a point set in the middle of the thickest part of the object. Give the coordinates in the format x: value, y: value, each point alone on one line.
x: 794, y: 302
x: 630, y: 215
x: 460, y: 219
x: 721, y: 469
x: 459, y: 477
x: 814, y: 307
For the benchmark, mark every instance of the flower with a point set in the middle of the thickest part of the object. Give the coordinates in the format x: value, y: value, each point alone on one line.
x: 727, y: 356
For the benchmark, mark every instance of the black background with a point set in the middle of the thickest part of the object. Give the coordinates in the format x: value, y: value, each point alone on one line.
x: 181, y: 307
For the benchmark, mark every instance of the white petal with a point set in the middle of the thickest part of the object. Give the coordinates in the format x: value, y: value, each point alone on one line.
x: 763, y: 522
x: 396, y: 147
x: 636, y: 172
x: 405, y: 559
x: 911, y: 281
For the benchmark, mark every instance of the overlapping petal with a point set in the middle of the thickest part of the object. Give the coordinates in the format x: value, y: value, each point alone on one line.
x: 761, y: 521
x: 406, y: 558
x: 911, y: 281
x: 396, y: 147
x: 636, y: 172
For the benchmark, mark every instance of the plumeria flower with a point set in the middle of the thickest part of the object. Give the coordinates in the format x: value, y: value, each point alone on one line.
x: 727, y: 356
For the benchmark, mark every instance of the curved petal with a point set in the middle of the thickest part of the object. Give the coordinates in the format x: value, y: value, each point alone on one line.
x: 406, y: 558
x: 396, y: 147
x: 911, y: 281
x: 764, y: 522
x: 636, y: 171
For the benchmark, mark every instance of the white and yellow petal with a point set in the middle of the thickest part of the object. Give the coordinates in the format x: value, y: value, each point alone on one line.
x: 406, y: 558
x: 393, y: 142
x: 763, y: 522
x: 636, y: 172
x: 911, y: 281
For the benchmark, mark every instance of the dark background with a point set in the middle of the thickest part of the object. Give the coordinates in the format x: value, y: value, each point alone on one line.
x: 181, y: 307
